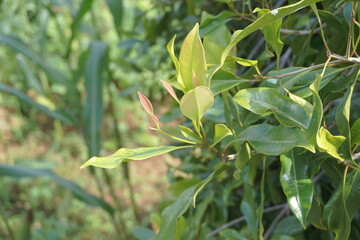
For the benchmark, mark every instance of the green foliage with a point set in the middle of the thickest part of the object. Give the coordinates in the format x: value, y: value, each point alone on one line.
x: 266, y: 117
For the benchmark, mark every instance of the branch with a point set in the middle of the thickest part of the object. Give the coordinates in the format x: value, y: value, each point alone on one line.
x: 356, y: 156
x: 240, y: 219
x: 299, y: 32
x: 276, y: 220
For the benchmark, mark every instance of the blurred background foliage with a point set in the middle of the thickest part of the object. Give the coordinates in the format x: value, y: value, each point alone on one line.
x: 70, y: 70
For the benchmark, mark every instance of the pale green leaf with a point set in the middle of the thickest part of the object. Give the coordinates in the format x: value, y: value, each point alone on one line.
x: 170, y: 48
x: 192, y: 60
x: 126, y: 155
x: 190, y: 134
x: 242, y: 61
x: 221, y: 131
x: 296, y: 184
x: 274, y: 140
x: 195, y: 103
x: 329, y: 143
x: 263, y: 101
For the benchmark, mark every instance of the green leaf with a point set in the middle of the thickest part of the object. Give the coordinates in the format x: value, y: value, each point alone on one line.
x: 19, y: 46
x: 195, y: 103
x: 143, y: 233
x: 93, y: 109
x: 56, y: 114
x: 266, y: 19
x: 192, y: 60
x: 317, y: 114
x: 190, y: 134
x: 170, y: 48
x: 224, y: 80
x: 211, y: 23
x: 262, y: 100
x: 116, y: 9
x: 76, y: 190
x: 343, y: 205
x: 329, y: 143
x: 271, y: 140
x: 221, y: 131
x: 32, y: 81
x: 242, y: 61
x: 126, y: 155
x: 272, y: 33
x: 296, y: 184
x: 173, y: 212
x: 342, y: 120
x: 355, y: 133
x: 84, y: 8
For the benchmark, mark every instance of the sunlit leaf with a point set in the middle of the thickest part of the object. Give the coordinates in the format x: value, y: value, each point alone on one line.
x: 170, y: 48
x: 329, y: 143
x: 170, y: 90
x: 263, y: 101
x: 189, y: 134
x: 192, y: 60
x: 126, y: 155
x: 221, y: 131
x: 274, y: 140
x: 195, y: 102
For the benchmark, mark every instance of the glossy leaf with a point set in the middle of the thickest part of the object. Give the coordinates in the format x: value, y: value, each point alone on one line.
x: 93, y: 109
x: 274, y: 140
x: 329, y: 143
x: 126, y: 155
x: 272, y: 32
x: 19, y: 46
x: 342, y: 120
x: 242, y: 61
x: 76, y: 190
x: 56, y: 114
x: 263, y: 101
x: 192, y: 60
x: 195, y: 103
x: 173, y: 212
x: 355, y: 133
x: 296, y: 185
x: 221, y: 131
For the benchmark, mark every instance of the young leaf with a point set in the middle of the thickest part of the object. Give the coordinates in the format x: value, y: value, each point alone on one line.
x: 126, y: 155
x: 195, y: 103
x: 170, y: 90
x: 329, y: 143
x: 145, y: 103
x: 271, y: 140
x: 355, y: 133
x: 221, y: 131
x: 296, y: 185
x: 189, y: 134
x: 192, y: 59
x: 170, y: 48
x: 262, y: 100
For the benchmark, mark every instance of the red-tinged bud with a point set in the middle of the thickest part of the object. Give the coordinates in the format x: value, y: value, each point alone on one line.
x: 146, y: 104
x: 170, y: 90
x: 155, y: 120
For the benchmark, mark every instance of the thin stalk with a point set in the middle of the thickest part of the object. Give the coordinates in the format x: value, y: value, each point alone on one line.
x: 350, y: 34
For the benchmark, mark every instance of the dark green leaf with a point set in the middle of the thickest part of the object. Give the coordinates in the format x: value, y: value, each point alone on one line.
x: 116, y: 9
x: 355, y: 133
x: 296, y: 184
x: 271, y: 140
x: 263, y: 101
